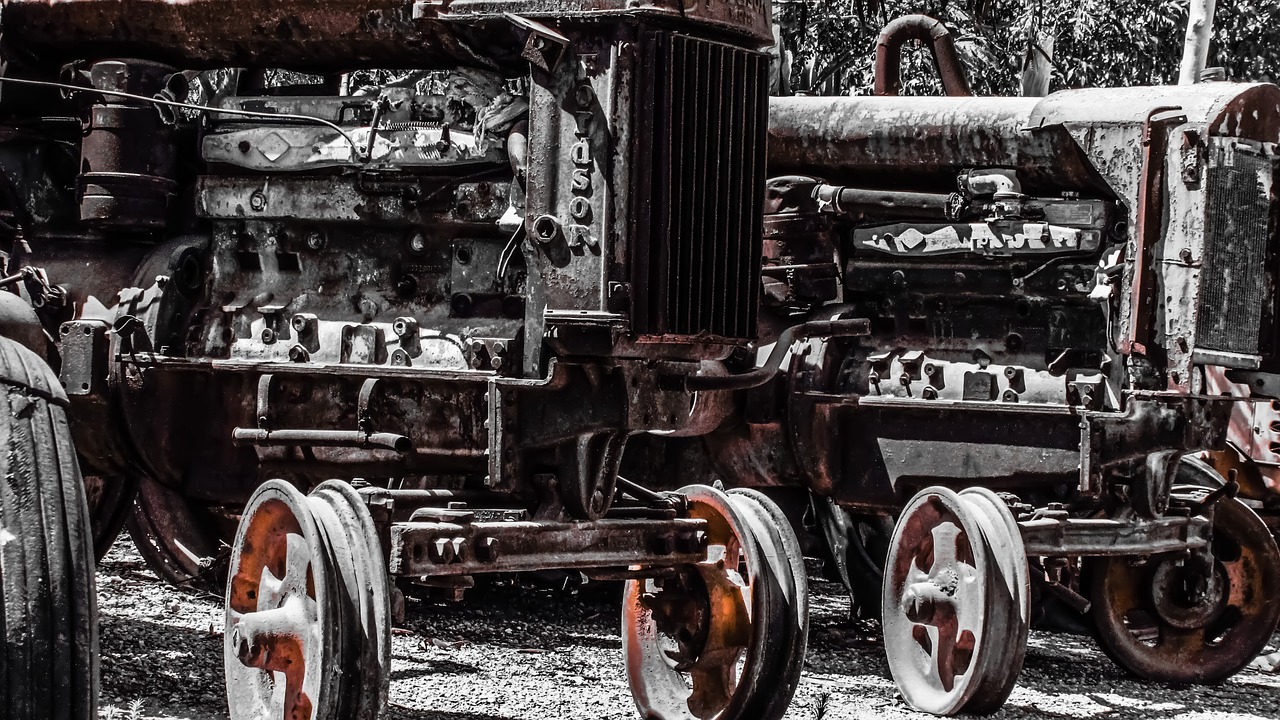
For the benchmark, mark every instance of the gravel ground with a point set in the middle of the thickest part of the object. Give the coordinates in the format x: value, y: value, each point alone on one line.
x: 510, y: 654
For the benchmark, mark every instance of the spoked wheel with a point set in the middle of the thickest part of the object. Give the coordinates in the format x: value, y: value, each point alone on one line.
x: 308, y: 635
x: 1192, y: 620
x: 182, y: 542
x: 724, y: 639
x: 956, y: 602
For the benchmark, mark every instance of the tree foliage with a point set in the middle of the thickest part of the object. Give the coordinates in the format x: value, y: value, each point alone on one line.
x: 1098, y: 42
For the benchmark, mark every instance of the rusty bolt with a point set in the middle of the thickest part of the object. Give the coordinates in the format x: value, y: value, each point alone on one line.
x: 1009, y: 396
x: 258, y: 201
x: 441, y: 550
x: 299, y: 354
x: 315, y: 240
x: 546, y: 228
x: 1010, y: 372
x: 929, y: 393
x: 905, y: 378
x: 400, y: 358
x: 1185, y: 255
x: 930, y: 369
x: 268, y: 335
x: 418, y: 243
x: 487, y: 549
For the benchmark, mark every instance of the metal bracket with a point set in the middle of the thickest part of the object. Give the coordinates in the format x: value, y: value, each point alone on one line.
x: 1105, y: 537
x: 85, y: 348
x: 543, y: 47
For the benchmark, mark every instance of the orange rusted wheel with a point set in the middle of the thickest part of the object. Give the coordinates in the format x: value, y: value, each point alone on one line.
x: 307, y: 631
x: 955, y: 602
x: 723, y: 639
x: 1192, y: 619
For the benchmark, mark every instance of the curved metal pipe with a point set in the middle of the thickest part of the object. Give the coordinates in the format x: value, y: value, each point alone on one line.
x: 925, y: 29
x: 846, y: 327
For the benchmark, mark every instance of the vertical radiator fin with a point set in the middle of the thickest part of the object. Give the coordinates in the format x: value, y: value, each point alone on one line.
x: 1233, y: 286
x: 696, y: 252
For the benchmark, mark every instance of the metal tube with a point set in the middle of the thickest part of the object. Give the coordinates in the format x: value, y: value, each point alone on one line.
x: 885, y: 203
x: 888, y: 68
x: 322, y: 438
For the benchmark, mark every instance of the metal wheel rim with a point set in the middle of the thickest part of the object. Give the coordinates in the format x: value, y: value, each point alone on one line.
x: 1123, y: 608
x: 787, y: 635
x: 173, y: 536
x: 661, y: 691
x: 281, y: 612
x: 1010, y: 616
x: 936, y: 663
x: 358, y: 556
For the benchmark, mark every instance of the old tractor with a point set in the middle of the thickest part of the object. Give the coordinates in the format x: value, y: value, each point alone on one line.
x: 1051, y: 285
x: 378, y: 290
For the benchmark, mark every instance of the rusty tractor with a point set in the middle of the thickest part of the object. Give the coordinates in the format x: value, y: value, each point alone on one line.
x: 373, y: 294
x: 1050, y: 286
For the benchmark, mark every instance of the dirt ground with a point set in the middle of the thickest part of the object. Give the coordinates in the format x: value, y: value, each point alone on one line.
x: 521, y: 654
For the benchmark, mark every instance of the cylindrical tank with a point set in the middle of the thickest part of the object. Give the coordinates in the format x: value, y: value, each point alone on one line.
x: 1070, y: 140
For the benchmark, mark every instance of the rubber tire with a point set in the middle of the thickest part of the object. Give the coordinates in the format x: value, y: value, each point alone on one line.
x: 48, y: 611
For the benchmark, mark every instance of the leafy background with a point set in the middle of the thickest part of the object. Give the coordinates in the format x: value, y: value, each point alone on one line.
x: 1098, y: 42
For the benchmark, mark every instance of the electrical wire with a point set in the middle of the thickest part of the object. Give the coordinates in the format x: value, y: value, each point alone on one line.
x: 355, y: 149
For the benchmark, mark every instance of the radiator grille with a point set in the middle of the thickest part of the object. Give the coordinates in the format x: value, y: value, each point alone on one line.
x: 696, y: 254
x: 1233, y: 285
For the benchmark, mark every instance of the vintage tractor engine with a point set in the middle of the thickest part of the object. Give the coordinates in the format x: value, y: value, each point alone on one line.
x: 458, y: 286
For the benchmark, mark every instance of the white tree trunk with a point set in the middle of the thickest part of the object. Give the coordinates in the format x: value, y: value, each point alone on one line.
x: 1037, y: 66
x: 1195, y: 51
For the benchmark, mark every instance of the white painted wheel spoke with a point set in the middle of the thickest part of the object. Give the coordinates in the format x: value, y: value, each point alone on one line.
x: 297, y: 562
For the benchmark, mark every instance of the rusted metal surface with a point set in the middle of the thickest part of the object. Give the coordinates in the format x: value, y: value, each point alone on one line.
x: 1198, y: 620
x: 722, y: 639
x: 926, y: 30
x: 308, y: 606
x: 468, y: 548
x: 317, y: 36
x: 464, y: 284
x: 303, y: 35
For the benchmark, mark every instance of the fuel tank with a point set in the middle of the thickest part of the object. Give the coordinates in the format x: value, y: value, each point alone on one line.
x: 1088, y: 141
